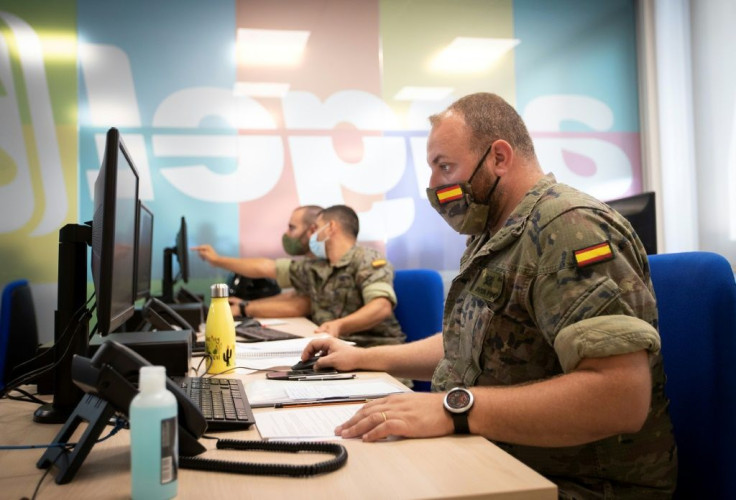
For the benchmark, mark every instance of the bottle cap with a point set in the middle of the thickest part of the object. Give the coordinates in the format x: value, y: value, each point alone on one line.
x: 152, y: 378
x: 219, y: 290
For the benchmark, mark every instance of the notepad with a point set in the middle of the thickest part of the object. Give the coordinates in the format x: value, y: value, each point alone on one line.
x: 262, y: 393
x: 274, y: 354
x: 304, y: 423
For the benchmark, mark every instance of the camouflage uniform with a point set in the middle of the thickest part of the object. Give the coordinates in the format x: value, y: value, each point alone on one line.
x: 521, y: 310
x: 361, y: 275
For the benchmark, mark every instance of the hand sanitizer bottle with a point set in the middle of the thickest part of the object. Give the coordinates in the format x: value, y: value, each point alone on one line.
x: 154, y: 445
x: 219, y: 332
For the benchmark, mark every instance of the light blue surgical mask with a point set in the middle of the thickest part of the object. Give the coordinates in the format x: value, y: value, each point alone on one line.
x: 318, y: 247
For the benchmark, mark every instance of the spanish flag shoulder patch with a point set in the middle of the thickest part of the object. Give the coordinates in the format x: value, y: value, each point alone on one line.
x: 592, y: 254
x: 449, y: 193
x: 378, y: 263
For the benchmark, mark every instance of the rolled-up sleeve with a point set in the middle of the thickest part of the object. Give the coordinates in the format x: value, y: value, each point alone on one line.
x: 604, y: 336
x: 379, y: 289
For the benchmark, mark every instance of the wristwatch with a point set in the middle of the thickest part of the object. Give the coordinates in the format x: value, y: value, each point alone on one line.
x: 458, y: 402
x: 243, y: 304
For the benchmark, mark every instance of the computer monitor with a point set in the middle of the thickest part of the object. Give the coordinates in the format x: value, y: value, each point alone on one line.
x: 180, y: 249
x: 145, y: 252
x: 640, y: 211
x: 114, y: 233
x: 113, y: 241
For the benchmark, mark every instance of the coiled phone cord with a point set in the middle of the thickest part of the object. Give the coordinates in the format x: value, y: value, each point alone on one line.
x: 261, y: 469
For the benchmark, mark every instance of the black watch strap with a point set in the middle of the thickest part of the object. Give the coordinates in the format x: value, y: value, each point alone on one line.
x: 460, y: 420
x: 242, y: 305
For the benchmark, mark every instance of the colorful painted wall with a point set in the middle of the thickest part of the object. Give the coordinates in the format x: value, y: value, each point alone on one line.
x: 237, y: 111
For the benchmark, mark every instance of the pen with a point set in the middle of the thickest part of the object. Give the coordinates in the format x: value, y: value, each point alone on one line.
x: 335, y: 376
x: 320, y: 402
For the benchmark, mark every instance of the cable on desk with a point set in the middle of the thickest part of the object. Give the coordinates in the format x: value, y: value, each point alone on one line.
x: 261, y: 469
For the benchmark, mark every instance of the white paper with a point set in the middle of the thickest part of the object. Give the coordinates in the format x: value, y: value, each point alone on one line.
x: 270, y: 392
x: 304, y: 423
x: 272, y: 354
x: 274, y: 347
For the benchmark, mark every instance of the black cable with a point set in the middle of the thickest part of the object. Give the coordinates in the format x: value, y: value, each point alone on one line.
x: 73, y: 319
x: 119, y: 424
x: 261, y: 469
x: 27, y: 397
x: 46, y: 473
x: 40, y: 371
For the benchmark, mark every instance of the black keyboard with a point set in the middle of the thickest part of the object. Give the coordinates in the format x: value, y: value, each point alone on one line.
x: 248, y: 333
x: 222, y: 401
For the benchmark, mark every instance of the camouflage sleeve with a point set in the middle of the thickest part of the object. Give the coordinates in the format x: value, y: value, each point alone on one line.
x: 282, y: 273
x: 375, y: 277
x: 603, y: 336
x: 599, y: 309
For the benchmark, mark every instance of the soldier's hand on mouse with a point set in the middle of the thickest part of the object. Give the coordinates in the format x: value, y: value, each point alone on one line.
x: 335, y: 354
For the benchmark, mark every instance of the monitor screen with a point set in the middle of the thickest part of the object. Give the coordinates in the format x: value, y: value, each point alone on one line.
x: 640, y: 211
x: 114, y: 235
x: 145, y: 251
x: 182, y: 247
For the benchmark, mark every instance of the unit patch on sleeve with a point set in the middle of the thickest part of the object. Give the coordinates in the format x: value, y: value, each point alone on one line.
x: 596, y: 253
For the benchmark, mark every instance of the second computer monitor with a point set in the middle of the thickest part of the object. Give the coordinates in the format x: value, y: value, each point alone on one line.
x: 640, y: 211
x: 145, y: 251
x: 180, y: 249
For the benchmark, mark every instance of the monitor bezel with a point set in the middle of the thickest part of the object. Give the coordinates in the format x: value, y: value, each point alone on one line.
x: 144, y: 293
x: 103, y: 236
x: 182, y: 249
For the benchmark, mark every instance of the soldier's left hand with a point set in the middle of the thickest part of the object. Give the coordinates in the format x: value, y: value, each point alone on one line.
x: 409, y: 415
x: 330, y: 328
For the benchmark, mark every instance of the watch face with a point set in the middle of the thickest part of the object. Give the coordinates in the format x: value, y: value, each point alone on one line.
x: 458, y: 399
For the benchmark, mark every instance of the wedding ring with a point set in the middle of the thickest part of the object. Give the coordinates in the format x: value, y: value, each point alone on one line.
x: 383, y: 414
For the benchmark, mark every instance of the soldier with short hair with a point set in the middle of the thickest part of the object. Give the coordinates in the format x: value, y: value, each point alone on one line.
x: 549, y: 345
x: 348, y: 287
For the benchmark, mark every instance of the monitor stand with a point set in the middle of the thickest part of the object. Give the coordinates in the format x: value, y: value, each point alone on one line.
x: 71, y: 322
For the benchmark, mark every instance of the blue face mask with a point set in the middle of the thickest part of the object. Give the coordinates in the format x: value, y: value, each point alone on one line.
x: 318, y: 247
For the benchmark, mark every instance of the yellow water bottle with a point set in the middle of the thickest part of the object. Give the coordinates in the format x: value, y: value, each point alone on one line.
x: 219, y: 331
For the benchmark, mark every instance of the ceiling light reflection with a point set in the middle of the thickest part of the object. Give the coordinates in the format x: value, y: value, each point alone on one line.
x: 472, y: 55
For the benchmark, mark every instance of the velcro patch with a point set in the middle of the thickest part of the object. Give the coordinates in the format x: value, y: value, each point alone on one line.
x: 449, y: 193
x: 488, y: 286
x: 378, y: 263
x: 596, y: 253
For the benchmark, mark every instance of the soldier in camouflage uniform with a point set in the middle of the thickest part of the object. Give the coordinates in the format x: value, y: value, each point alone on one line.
x: 351, y: 290
x: 349, y: 287
x: 551, y: 322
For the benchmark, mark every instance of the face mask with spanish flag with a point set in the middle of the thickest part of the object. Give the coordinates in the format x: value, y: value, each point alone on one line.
x: 455, y: 204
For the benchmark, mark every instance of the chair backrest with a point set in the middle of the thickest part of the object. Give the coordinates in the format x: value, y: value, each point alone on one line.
x: 421, y: 300
x: 696, y: 300
x: 18, y: 332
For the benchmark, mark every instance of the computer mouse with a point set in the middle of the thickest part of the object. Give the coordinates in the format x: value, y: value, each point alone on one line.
x: 305, y: 365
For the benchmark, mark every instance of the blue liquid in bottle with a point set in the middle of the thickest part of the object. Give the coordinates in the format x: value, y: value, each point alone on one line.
x: 154, y: 443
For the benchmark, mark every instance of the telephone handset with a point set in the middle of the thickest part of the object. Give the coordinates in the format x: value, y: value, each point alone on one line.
x: 112, y: 374
x: 110, y: 380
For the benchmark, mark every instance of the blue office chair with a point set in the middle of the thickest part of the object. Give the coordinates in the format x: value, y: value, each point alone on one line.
x: 421, y: 300
x: 18, y: 332
x: 696, y: 300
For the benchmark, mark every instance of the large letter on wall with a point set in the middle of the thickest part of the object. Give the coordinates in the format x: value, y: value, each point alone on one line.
x: 591, y: 164
x: 260, y: 157
x: 375, y: 164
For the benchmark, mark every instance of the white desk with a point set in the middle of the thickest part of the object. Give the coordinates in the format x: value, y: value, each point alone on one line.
x: 448, y: 467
